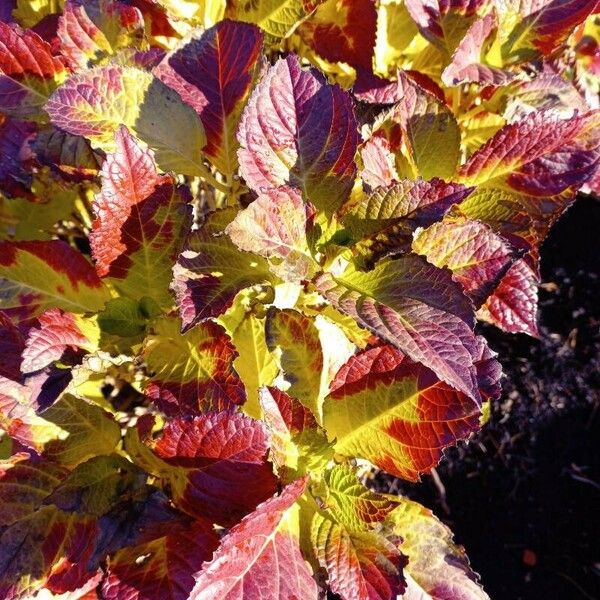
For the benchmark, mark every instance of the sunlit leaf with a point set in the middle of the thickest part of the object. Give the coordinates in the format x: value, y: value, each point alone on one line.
x: 308, y: 139
x: 261, y: 550
x: 214, y: 73
x: 29, y: 72
x: 35, y: 276
x: 96, y: 102
x: 395, y: 413
x: 141, y: 220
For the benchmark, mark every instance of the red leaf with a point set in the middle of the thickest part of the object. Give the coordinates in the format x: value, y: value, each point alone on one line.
x: 12, y: 344
x: 513, y: 305
x: 205, y: 459
x: 342, y: 31
x: 161, y: 564
x: 260, y: 557
x: 141, y: 219
x: 192, y: 372
x: 27, y: 71
x: 214, y: 74
x: 15, y: 153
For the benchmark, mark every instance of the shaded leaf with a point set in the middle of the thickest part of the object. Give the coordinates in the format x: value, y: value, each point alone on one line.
x: 191, y: 372
x: 15, y: 176
x: 201, y: 460
x: 211, y: 271
x: 12, y: 344
x: 160, y: 564
x: 25, y: 484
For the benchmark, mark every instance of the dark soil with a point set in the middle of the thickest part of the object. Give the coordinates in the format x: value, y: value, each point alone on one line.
x: 523, y: 496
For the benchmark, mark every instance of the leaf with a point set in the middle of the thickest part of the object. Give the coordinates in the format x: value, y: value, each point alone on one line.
x: 201, y: 460
x: 70, y: 155
x: 211, y: 271
x: 427, y: 125
x: 31, y: 12
x: 419, y: 201
x: 342, y: 31
x: 96, y: 486
x: 95, y: 103
x: 301, y: 354
x: 275, y: 226
x: 161, y: 564
x: 417, y: 308
x: 298, y: 130
x: 47, y: 547
x: 15, y: 177
x: 395, y: 413
x: 214, y: 73
x: 298, y: 444
x: 191, y: 372
x: 359, y: 565
x: 468, y: 63
x: 262, y: 549
x: 477, y: 257
x: 387, y: 218
x: 540, y: 27
x: 444, y: 23
x: 437, y: 568
x: 24, y: 485
x: 123, y: 317
x: 379, y: 162
x: 141, y: 221
x: 395, y: 31
x: 12, y: 344
x: 55, y: 333
x: 352, y: 504
x: 29, y: 72
x: 513, y: 304
x: 35, y: 276
x: 276, y: 18
x: 255, y: 364
x: 513, y: 156
x: 69, y: 432
x: 91, y: 29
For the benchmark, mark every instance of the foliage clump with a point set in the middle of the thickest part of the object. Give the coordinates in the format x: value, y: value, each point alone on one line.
x: 243, y: 249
